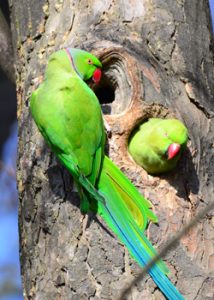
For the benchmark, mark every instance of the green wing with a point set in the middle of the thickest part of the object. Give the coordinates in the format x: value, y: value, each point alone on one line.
x: 69, y: 117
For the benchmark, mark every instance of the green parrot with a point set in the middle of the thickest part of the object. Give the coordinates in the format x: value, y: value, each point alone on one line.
x: 68, y: 115
x: 158, y: 144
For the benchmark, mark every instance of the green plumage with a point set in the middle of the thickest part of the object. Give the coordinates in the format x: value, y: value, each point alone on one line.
x: 127, y: 203
x: 55, y: 107
x: 149, y: 145
x: 69, y: 117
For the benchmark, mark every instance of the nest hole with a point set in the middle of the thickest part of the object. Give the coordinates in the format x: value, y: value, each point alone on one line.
x: 114, y: 90
x: 105, y: 93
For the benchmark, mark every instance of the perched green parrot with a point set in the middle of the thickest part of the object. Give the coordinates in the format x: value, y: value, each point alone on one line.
x: 69, y: 117
x: 158, y: 144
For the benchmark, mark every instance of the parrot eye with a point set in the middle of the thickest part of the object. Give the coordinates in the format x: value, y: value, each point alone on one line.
x: 89, y: 61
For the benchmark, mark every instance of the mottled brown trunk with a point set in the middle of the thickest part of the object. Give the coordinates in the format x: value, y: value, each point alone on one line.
x: 158, y: 61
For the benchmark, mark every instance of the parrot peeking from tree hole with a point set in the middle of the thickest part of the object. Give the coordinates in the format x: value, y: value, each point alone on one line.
x: 69, y: 117
x: 158, y: 144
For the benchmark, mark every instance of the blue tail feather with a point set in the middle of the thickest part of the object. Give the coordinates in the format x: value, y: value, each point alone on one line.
x: 135, y: 246
x: 131, y: 235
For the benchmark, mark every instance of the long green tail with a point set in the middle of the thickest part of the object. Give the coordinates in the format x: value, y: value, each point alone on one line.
x: 122, y: 200
x: 126, y: 212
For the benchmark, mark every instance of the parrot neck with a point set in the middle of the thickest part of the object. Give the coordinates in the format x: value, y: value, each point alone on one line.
x: 59, y: 66
x: 72, y: 62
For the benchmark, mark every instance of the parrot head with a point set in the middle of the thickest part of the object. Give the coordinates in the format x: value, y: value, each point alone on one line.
x: 85, y: 64
x: 175, y: 138
x: 158, y: 144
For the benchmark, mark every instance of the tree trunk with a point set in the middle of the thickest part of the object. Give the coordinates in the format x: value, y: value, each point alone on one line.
x: 158, y: 62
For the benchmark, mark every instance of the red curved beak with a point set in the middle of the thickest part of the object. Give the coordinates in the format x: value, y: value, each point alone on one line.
x: 173, y: 150
x: 97, y: 75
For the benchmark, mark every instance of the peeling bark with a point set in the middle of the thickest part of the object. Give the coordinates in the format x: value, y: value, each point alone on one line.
x: 158, y: 62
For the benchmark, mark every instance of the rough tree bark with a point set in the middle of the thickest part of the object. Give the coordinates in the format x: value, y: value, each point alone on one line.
x: 6, y: 49
x: 158, y: 61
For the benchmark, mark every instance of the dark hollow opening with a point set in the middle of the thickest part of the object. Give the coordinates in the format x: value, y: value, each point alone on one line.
x: 105, y: 93
x: 136, y: 129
